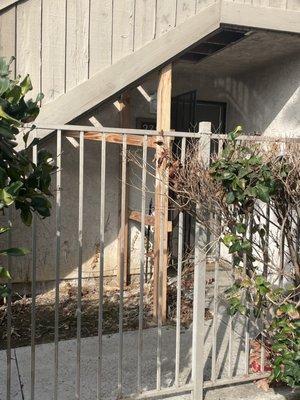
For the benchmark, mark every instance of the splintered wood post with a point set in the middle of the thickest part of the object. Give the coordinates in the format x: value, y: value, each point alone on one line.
x: 125, y: 122
x: 160, y: 264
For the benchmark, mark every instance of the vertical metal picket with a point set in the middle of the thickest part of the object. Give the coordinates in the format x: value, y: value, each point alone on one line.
x: 142, y: 265
x: 57, y: 260
x: 79, y: 287
x: 215, y: 315
x: 33, y: 292
x: 199, y: 280
x: 101, y: 262
x: 198, y: 316
x: 122, y: 263
x: 179, y: 278
x: 9, y: 313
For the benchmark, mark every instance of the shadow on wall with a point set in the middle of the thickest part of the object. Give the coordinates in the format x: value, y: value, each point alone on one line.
x: 46, y: 229
x: 266, y: 99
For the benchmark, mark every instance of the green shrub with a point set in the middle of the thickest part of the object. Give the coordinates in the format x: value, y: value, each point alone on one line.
x: 23, y: 184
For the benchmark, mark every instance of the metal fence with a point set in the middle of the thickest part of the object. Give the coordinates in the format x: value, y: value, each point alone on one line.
x: 202, y: 374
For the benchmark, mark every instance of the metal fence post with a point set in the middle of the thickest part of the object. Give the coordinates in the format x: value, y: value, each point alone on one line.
x: 199, y: 283
x: 198, y: 316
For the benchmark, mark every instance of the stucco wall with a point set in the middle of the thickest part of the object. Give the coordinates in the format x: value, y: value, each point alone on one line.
x: 46, y: 251
x: 265, y: 100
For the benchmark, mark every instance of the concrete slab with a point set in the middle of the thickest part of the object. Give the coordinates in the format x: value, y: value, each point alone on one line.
x: 67, y: 362
x: 247, y: 391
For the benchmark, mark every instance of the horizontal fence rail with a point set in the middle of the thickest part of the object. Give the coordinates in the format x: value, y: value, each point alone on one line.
x: 141, y: 132
x: 198, y: 379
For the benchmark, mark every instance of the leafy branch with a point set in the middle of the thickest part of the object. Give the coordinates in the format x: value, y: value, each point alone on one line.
x: 23, y: 184
x: 255, y: 192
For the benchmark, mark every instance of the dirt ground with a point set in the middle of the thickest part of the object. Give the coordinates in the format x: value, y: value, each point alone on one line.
x: 45, y: 312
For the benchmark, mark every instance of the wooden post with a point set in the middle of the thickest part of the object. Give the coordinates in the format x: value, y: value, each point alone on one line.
x: 125, y: 122
x: 160, y: 264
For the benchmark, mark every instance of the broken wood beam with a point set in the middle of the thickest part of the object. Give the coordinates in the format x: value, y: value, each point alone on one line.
x: 149, y: 219
x: 160, y: 263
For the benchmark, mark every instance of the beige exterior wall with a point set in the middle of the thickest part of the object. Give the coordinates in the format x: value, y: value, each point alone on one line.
x: 46, y: 249
x: 268, y: 99
x: 263, y: 100
x: 281, y: 4
x: 62, y: 44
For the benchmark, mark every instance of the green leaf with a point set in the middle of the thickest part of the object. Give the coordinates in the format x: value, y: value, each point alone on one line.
x: 4, y: 274
x: 26, y: 85
x: 14, y: 188
x: 233, y: 135
x: 15, y: 251
x: 241, y: 228
x: 6, y: 198
x: 228, y: 238
x: 227, y: 175
x: 251, y: 191
x: 254, y: 160
x: 263, y: 193
x: 6, y: 132
x: 43, y: 156
x: 230, y: 198
x: 4, y: 85
x: 3, y: 177
x: 26, y: 216
x: 4, y: 229
x: 8, y: 118
x: 4, y: 67
x: 241, y: 183
x: 243, y: 172
x: 246, y: 245
x: 14, y: 95
x: 260, y: 280
x: 4, y: 292
x: 236, y: 246
x: 42, y: 205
